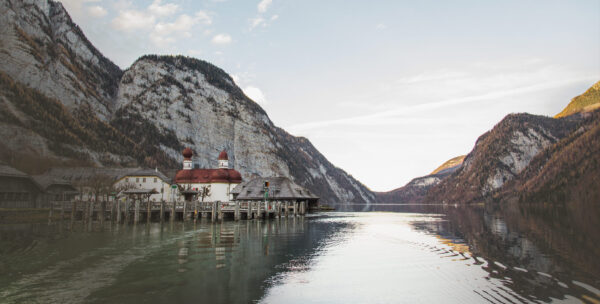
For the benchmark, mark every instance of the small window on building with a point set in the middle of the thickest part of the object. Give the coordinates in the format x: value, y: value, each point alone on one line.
x: 155, y: 180
x: 126, y: 180
x: 144, y: 180
x: 137, y: 179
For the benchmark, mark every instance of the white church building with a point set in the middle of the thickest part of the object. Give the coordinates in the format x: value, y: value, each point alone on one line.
x: 219, y: 181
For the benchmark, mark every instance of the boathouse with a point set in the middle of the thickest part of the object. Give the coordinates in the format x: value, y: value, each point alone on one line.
x: 275, y: 189
x: 56, y: 190
x: 19, y: 190
x: 208, y: 185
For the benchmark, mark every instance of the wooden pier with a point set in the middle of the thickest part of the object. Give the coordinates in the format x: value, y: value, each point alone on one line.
x: 138, y: 210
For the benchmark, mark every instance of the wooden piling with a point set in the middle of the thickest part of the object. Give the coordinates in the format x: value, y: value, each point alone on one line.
x: 148, y: 210
x: 102, y: 213
x: 62, y: 210
x: 162, y: 211
x: 213, y: 214
x: 50, y: 213
x: 184, y: 214
x: 172, y: 215
x: 127, y: 207
x: 287, y: 209
x: 73, y: 211
x: 236, y: 213
x: 136, y: 215
x: 91, y: 215
x: 119, y: 215
x: 220, y: 210
x: 295, y: 208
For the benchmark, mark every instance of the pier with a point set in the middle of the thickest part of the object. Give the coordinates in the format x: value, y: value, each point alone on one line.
x: 137, y: 210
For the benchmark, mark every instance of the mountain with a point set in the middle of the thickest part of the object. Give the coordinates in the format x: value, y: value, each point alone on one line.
x: 451, y: 163
x: 62, y: 102
x: 415, y: 191
x: 566, y: 173
x: 587, y: 101
x: 501, y: 154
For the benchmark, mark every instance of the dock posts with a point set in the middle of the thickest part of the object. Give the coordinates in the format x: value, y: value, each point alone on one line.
x: 258, y: 211
x: 50, y: 213
x: 303, y: 208
x: 73, y: 211
x: 118, y: 211
x: 136, y: 215
x: 295, y: 208
x: 278, y: 209
x: 287, y: 209
x: 127, y: 207
x: 62, y: 210
x: 220, y: 210
x: 112, y: 211
x: 195, y: 210
x: 92, y: 206
x: 162, y: 211
x: 172, y: 215
x: 148, y: 210
x: 213, y: 213
x: 102, y: 212
x: 236, y: 212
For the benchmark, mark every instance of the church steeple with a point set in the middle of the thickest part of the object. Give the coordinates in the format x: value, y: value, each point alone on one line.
x: 223, y: 160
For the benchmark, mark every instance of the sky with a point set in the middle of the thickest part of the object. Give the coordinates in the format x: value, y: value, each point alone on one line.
x: 386, y: 90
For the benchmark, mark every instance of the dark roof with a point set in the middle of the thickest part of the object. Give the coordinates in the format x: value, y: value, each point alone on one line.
x: 279, y: 188
x: 147, y: 172
x: 6, y: 170
x: 79, y: 174
x: 46, y: 181
x: 140, y: 191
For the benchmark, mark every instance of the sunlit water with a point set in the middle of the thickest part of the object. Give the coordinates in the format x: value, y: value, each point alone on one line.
x: 354, y: 257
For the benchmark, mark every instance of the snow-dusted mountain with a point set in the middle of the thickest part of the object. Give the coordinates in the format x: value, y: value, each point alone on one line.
x: 71, y: 102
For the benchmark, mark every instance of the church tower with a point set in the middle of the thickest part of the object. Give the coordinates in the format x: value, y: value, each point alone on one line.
x: 223, y: 160
x: 187, y: 159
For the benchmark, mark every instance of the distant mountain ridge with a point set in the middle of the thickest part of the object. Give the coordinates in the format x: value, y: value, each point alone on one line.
x: 588, y: 101
x: 524, y: 158
x: 68, y: 103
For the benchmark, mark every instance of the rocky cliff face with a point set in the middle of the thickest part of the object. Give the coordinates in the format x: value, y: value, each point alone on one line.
x: 43, y: 49
x: 500, y: 155
x: 147, y: 114
x: 198, y: 105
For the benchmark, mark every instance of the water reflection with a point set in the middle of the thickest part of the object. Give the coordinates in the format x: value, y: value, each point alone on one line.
x: 409, y: 254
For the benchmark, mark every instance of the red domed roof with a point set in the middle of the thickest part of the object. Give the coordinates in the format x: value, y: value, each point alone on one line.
x: 188, y: 153
x: 223, y: 155
x: 202, y: 176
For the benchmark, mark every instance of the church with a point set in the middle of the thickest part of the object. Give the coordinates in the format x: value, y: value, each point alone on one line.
x: 219, y: 181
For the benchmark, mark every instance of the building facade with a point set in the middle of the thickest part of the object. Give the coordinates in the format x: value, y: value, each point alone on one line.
x: 212, y: 184
x: 150, y: 179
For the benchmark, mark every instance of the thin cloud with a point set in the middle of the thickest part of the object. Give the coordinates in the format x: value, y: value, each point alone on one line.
x: 264, y: 5
x: 97, y: 11
x: 375, y: 118
x: 221, y: 39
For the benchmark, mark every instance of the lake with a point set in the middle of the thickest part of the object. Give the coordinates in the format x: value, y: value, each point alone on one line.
x: 389, y: 254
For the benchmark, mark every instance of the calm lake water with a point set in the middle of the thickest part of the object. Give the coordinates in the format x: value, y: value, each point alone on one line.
x: 395, y: 254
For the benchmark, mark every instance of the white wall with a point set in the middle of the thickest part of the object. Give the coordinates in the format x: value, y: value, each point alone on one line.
x: 148, y: 182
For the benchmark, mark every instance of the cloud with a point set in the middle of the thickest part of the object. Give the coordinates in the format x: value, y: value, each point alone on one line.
x: 131, y: 20
x: 453, y: 88
x: 274, y: 17
x: 158, y: 10
x: 221, y: 39
x: 97, y: 11
x: 380, y: 26
x: 255, y: 94
x: 264, y: 5
x: 254, y: 22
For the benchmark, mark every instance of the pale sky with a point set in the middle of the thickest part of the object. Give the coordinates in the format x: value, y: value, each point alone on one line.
x: 386, y: 90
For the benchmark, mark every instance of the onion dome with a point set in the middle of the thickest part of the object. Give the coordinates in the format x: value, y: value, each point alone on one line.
x: 188, y: 153
x: 223, y: 155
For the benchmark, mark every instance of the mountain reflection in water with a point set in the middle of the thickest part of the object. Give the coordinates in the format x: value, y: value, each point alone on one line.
x: 425, y: 253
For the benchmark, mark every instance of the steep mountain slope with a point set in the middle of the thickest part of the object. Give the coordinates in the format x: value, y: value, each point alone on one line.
x: 193, y: 103
x: 416, y: 190
x: 587, y: 101
x: 501, y: 154
x: 566, y: 173
x: 61, y: 100
x: 43, y: 49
